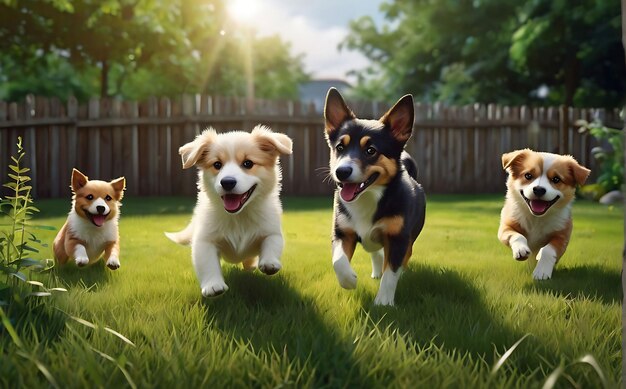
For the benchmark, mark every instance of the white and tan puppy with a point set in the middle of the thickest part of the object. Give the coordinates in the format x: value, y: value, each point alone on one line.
x: 237, y: 214
x: 537, y: 213
x: 91, y: 228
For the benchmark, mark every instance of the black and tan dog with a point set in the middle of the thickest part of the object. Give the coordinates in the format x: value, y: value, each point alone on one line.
x: 378, y: 201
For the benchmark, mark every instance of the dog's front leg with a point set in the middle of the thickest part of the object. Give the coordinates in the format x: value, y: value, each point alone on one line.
x: 516, y: 241
x: 271, y: 251
x: 397, y: 251
x: 112, y: 255
x: 76, y: 248
x: 206, y: 262
x: 549, y: 254
x: 344, y: 243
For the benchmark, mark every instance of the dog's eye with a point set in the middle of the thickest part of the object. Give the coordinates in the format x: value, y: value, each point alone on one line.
x: 339, y: 147
x: 370, y: 151
x: 528, y: 176
x: 89, y: 197
x: 556, y: 180
x: 247, y: 164
x: 108, y: 198
x: 217, y: 165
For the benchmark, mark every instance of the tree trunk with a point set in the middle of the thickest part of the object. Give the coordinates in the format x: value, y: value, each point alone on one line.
x: 104, y: 79
x: 571, y: 79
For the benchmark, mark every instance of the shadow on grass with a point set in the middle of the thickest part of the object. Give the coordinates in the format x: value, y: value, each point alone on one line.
x: 269, y: 314
x: 582, y: 282
x: 442, y: 306
x: 88, y: 277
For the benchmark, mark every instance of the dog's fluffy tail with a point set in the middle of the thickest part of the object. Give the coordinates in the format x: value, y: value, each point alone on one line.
x: 181, y: 237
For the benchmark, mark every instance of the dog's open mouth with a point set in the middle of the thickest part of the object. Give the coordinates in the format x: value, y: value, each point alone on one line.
x: 234, y: 202
x: 350, y: 190
x: 97, y: 219
x: 539, y: 207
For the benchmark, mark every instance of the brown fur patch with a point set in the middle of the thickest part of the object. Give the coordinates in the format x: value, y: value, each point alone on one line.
x: 386, y: 167
x: 508, y: 228
x: 364, y: 140
x: 348, y: 242
x: 391, y: 225
x: 345, y: 140
x: 524, y: 162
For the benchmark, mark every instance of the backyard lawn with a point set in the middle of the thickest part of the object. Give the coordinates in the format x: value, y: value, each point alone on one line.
x: 461, y: 305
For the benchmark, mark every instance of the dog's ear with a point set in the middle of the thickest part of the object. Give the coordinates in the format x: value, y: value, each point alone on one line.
x: 119, y: 184
x: 579, y: 172
x: 193, y: 153
x: 335, y: 110
x: 78, y: 180
x: 272, y: 142
x: 400, y: 118
x: 510, y: 160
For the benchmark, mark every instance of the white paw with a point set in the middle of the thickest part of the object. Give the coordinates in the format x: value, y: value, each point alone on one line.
x: 543, y: 270
x: 214, y: 288
x: 521, y: 251
x: 82, y: 261
x: 377, y: 264
x: 384, y: 299
x: 113, y: 263
x: 270, y: 267
x: 376, y: 274
x: 345, y: 275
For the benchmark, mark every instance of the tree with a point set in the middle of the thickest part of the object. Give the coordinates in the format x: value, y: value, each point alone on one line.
x: 464, y: 51
x: 140, y: 48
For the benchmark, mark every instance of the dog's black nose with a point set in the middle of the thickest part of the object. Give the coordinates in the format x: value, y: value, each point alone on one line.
x: 228, y: 183
x: 343, y: 172
x: 100, y: 209
x: 539, y: 191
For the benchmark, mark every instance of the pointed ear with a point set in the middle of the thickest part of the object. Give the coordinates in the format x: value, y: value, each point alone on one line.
x: 579, y: 172
x: 193, y: 153
x: 335, y: 110
x: 514, y: 157
x: 119, y: 184
x: 78, y: 180
x: 272, y: 142
x: 400, y: 118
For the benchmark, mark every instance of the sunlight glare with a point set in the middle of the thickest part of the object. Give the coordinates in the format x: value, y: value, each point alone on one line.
x: 242, y: 10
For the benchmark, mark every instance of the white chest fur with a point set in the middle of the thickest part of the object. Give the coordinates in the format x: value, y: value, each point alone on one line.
x: 539, y: 228
x: 361, y: 218
x: 95, y: 238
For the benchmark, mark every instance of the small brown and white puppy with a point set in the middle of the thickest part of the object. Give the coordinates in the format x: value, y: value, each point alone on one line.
x: 237, y: 214
x: 91, y: 228
x: 537, y: 213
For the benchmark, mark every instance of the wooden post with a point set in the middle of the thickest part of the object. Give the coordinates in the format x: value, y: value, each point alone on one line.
x: 624, y: 252
x: 563, y: 129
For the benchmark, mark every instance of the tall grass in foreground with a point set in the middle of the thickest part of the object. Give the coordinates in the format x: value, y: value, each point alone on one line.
x: 467, y: 314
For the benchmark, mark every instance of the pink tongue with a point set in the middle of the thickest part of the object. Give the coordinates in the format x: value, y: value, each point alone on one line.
x: 99, y: 220
x: 539, y: 206
x: 232, y: 201
x: 348, y: 192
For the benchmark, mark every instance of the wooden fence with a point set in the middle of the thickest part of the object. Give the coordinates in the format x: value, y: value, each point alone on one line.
x: 457, y: 149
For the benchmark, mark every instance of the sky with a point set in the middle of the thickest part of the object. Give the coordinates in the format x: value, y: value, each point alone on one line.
x: 315, y: 28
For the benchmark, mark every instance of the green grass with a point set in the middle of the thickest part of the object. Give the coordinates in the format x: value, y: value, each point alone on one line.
x: 463, y: 302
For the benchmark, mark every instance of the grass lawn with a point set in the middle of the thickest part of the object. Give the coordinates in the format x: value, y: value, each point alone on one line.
x: 463, y: 302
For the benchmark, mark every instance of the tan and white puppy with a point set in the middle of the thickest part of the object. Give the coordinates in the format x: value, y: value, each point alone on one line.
x: 537, y: 213
x: 91, y: 228
x: 238, y: 210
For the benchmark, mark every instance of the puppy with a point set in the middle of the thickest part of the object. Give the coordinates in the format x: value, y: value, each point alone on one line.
x: 378, y: 201
x: 92, y: 224
x: 237, y: 214
x: 537, y: 213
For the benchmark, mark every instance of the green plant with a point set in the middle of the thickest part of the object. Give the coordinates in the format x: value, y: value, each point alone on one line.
x: 609, y: 154
x: 18, y: 244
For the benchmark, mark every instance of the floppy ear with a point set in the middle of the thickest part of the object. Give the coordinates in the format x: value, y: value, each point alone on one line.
x: 335, y: 110
x: 272, y: 142
x: 579, y: 172
x: 193, y: 152
x: 400, y: 118
x: 78, y: 180
x: 119, y: 184
x: 514, y: 157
